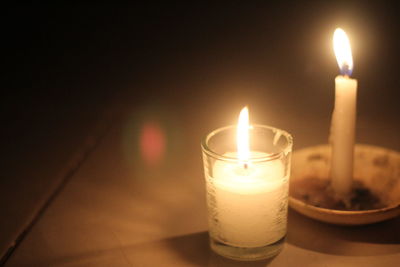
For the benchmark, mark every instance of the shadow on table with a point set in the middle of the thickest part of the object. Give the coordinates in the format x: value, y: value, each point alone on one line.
x: 375, y: 239
x: 194, y: 248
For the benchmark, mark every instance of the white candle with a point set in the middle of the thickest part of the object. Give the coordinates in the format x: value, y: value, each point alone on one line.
x: 251, y: 202
x: 343, y: 118
x: 248, y: 195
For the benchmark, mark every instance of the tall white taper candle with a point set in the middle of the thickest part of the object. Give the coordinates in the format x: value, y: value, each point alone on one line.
x: 344, y: 118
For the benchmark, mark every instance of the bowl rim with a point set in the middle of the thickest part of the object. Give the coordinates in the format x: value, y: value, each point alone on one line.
x: 343, y: 212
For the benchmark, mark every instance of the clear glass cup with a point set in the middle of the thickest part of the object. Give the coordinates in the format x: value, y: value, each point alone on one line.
x: 247, y: 200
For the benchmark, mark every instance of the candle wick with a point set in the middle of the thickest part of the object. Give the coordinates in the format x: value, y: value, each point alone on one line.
x: 246, y: 166
x: 345, y: 70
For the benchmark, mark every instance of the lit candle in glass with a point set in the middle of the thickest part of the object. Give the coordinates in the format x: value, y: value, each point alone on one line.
x: 247, y: 189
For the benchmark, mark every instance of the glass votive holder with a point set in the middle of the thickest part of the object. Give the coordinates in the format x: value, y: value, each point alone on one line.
x: 247, y: 201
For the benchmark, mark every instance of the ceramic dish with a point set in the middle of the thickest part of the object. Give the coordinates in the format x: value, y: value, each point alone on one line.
x: 377, y: 168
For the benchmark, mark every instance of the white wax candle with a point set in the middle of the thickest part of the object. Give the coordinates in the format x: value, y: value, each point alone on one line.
x: 249, y: 204
x: 343, y: 134
x: 344, y: 117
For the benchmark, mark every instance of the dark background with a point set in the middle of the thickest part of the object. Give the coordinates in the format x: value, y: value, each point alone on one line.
x: 64, y: 65
x: 60, y: 60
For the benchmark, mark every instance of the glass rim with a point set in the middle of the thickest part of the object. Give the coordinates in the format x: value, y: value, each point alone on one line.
x: 207, y: 150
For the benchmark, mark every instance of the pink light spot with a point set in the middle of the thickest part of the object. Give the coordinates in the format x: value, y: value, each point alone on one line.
x: 152, y: 143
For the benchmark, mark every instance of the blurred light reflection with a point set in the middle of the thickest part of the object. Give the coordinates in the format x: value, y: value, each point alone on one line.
x: 152, y: 143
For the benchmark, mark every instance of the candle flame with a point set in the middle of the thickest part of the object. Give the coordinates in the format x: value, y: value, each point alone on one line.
x: 242, y: 136
x: 341, y: 46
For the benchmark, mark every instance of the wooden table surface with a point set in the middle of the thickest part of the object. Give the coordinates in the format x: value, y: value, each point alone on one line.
x: 123, y: 208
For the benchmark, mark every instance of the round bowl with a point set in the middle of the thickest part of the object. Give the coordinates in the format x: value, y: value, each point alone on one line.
x: 377, y: 168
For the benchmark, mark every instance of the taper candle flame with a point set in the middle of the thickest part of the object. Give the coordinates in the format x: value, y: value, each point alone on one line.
x: 341, y: 46
x: 242, y: 136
